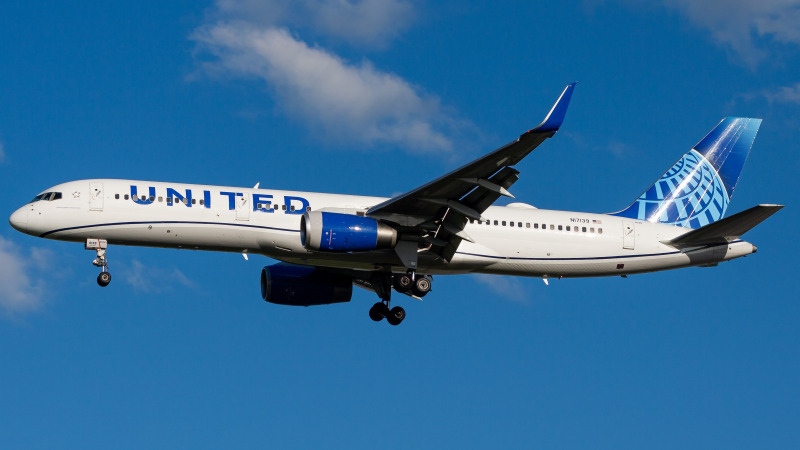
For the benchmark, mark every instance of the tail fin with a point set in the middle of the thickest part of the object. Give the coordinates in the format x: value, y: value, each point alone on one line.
x: 697, y: 189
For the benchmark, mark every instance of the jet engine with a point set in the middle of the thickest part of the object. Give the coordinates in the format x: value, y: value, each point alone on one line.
x: 289, y: 284
x: 335, y: 232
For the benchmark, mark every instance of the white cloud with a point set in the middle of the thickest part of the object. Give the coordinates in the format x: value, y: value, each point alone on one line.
x: 504, y: 286
x: 351, y: 102
x: 784, y: 94
x: 150, y: 279
x: 19, y: 293
x: 364, y: 23
x: 746, y: 27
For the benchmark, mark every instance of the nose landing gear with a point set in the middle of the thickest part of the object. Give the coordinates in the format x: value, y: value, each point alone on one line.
x: 100, y: 245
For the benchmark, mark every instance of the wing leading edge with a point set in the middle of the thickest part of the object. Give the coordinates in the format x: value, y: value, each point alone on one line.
x: 435, y: 213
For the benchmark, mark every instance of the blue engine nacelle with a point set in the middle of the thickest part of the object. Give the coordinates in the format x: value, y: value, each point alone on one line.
x: 334, y: 232
x: 289, y: 284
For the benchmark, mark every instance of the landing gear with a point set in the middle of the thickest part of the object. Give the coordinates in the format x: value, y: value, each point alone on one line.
x: 378, y: 311
x: 382, y: 283
x: 100, y: 245
x: 406, y: 283
x: 103, y: 279
x: 396, y: 315
x: 418, y: 285
x: 403, y: 282
x: 422, y: 286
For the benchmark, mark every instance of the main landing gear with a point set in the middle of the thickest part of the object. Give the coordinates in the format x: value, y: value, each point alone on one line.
x: 100, y: 245
x: 403, y: 283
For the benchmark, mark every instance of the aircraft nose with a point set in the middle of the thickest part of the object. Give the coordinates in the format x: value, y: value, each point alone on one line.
x: 19, y: 220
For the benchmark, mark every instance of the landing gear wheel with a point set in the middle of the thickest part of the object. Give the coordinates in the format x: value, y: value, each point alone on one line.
x: 103, y: 279
x: 396, y: 315
x: 422, y: 286
x: 403, y: 282
x: 378, y: 311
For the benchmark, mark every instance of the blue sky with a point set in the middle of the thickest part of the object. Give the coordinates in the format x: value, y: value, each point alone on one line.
x: 376, y: 97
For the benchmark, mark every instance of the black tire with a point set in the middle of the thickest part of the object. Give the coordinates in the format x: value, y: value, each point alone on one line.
x: 396, y: 315
x: 103, y: 279
x: 378, y: 312
x: 422, y: 286
x: 403, y: 282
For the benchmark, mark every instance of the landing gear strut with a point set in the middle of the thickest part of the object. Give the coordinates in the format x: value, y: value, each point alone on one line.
x: 100, y: 245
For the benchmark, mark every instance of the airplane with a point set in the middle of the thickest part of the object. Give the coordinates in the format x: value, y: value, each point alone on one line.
x: 328, y: 243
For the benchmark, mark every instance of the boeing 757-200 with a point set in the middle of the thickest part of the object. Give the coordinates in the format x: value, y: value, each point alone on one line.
x: 326, y: 243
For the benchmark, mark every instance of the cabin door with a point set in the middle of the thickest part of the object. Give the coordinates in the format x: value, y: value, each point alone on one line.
x: 243, y: 207
x: 628, y: 235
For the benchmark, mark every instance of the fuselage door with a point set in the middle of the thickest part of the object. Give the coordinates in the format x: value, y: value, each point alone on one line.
x: 628, y: 235
x: 96, y: 196
x: 242, y: 207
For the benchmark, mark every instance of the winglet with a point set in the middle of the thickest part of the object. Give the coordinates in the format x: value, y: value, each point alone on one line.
x: 556, y: 115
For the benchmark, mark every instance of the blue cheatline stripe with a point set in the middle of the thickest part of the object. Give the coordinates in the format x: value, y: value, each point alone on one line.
x: 567, y: 259
x: 643, y: 255
x: 167, y: 222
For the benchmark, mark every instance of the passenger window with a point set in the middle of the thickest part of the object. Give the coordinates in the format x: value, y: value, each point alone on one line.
x: 536, y: 226
x: 160, y: 199
x: 202, y: 202
x: 152, y: 199
x: 519, y: 224
x: 599, y: 231
x: 283, y: 207
x: 186, y: 201
x: 584, y: 229
x: 169, y: 201
x: 504, y: 223
x: 194, y: 201
x: 567, y: 228
x: 291, y: 208
x: 591, y: 230
x: 552, y: 227
x: 126, y: 196
x: 308, y: 208
x: 116, y: 196
x: 528, y: 224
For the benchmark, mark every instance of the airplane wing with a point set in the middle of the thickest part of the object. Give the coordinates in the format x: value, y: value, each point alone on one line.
x: 437, y: 212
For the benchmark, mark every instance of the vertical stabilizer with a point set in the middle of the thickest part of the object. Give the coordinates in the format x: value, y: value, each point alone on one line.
x: 697, y: 189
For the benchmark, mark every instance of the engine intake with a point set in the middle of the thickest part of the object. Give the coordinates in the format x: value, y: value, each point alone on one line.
x: 335, y: 232
x: 289, y: 284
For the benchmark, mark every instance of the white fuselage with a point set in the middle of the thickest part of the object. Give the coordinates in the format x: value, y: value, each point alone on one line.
x: 518, y: 240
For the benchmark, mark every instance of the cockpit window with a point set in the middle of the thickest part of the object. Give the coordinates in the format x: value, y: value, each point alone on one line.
x: 47, y: 196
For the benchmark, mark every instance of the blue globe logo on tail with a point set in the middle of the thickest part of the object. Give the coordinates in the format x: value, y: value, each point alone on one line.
x: 696, y: 191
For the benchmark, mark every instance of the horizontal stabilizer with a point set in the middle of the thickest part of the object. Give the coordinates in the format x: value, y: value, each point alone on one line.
x: 725, y: 230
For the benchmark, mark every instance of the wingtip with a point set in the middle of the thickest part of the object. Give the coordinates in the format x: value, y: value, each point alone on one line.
x: 558, y: 112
